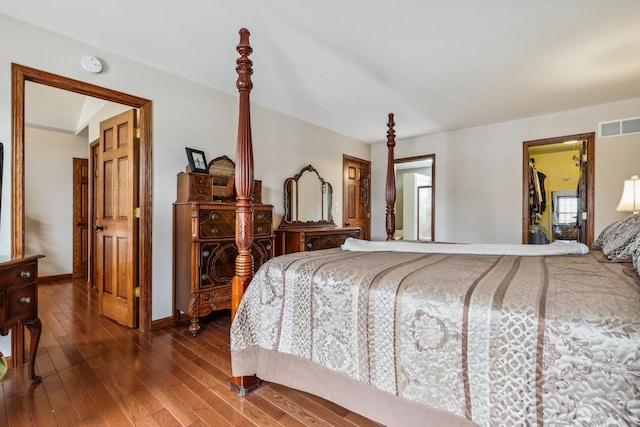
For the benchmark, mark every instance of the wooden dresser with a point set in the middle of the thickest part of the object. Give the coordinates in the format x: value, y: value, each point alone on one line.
x: 204, y: 247
x: 302, y: 239
x: 19, y: 306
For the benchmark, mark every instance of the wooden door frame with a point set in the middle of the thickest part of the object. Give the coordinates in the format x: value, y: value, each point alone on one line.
x: 590, y: 137
x: 21, y: 74
x: 93, y: 147
x: 433, y: 185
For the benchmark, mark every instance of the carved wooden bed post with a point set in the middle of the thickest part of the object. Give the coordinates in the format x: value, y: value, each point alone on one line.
x: 390, y: 190
x: 244, y: 189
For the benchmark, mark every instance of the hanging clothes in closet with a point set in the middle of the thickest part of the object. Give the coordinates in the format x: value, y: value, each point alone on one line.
x: 537, y: 204
x: 537, y: 193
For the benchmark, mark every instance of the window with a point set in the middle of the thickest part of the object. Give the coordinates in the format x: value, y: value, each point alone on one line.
x: 565, y: 207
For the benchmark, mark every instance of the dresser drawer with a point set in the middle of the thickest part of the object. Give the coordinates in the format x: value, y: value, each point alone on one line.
x: 218, y: 260
x: 217, y: 263
x: 317, y: 242
x: 21, y: 303
x: 215, y: 223
x: 216, y: 298
x: 18, y: 275
x: 3, y: 308
x: 194, y: 186
x: 262, y: 223
x: 200, y: 187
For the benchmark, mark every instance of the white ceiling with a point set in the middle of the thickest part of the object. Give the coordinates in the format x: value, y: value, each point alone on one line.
x: 345, y: 64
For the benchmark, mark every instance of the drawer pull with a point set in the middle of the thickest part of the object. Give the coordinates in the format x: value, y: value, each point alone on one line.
x: 25, y: 300
x: 214, y: 216
x: 25, y: 274
x: 259, y: 229
x: 203, y: 277
x: 214, y: 230
x: 205, y: 254
x: 268, y: 247
x: 260, y: 216
x: 309, y: 245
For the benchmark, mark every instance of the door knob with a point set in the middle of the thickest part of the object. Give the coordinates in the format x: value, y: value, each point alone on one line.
x: 99, y: 228
x: 78, y: 224
x: 346, y: 224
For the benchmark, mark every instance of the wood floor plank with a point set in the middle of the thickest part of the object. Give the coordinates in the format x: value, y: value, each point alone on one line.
x: 39, y: 406
x: 58, y: 396
x: 18, y: 414
x: 96, y: 372
x: 108, y: 406
x: 300, y: 413
x: 234, y: 417
x: 311, y: 407
x: 185, y: 413
x: 66, y: 416
x: 84, y: 405
x: 274, y: 411
x: 3, y: 405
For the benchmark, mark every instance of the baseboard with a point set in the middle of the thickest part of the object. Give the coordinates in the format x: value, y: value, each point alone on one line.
x: 162, y: 323
x: 53, y: 278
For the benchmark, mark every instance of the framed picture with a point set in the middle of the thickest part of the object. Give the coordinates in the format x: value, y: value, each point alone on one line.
x: 197, y: 160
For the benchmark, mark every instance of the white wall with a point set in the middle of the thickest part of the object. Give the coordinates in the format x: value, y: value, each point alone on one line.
x: 479, y: 172
x: 48, y: 197
x: 184, y: 114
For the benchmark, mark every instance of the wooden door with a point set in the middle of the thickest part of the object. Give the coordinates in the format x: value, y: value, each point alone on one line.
x: 80, y: 217
x: 116, y: 230
x: 93, y: 208
x: 356, y: 194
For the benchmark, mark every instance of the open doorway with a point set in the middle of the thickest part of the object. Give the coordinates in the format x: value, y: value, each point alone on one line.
x: 415, y: 198
x: 558, y: 181
x: 21, y: 75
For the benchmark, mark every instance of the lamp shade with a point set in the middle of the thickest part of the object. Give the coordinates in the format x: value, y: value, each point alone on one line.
x: 630, y: 200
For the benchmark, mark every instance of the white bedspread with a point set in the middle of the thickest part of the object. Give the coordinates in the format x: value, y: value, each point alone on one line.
x: 559, y: 247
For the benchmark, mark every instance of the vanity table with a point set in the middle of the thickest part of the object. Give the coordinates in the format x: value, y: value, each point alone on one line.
x: 307, y: 224
x: 19, y: 307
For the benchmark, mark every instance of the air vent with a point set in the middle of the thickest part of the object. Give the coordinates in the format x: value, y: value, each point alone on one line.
x: 619, y: 127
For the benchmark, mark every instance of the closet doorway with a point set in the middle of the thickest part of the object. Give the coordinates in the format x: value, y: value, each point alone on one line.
x: 557, y: 187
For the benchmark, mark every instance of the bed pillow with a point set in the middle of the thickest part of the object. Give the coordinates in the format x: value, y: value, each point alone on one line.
x: 621, y: 241
x: 604, y: 235
x: 635, y: 257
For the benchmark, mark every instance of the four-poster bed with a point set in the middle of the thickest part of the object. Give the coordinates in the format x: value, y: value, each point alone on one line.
x: 420, y: 335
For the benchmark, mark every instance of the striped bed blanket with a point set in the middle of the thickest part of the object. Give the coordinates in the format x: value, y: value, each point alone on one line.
x: 493, y: 340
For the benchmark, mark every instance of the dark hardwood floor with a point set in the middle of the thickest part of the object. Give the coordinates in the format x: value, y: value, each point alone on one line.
x: 98, y: 373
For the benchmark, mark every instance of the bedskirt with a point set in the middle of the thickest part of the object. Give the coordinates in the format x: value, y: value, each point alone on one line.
x: 485, y: 339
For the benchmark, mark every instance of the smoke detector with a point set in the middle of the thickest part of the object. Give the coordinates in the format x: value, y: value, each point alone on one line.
x: 91, y: 64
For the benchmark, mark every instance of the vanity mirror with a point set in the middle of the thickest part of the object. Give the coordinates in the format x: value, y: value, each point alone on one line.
x: 307, y: 224
x: 307, y: 200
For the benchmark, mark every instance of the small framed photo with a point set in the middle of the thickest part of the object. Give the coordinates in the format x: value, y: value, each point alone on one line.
x: 197, y: 160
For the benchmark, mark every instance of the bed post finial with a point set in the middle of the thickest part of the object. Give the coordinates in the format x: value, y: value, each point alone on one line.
x: 244, y: 64
x: 390, y: 190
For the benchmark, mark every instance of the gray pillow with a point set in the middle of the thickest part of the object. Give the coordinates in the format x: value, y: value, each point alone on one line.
x: 635, y: 257
x: 604, y: 234
x: 620, y: 242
